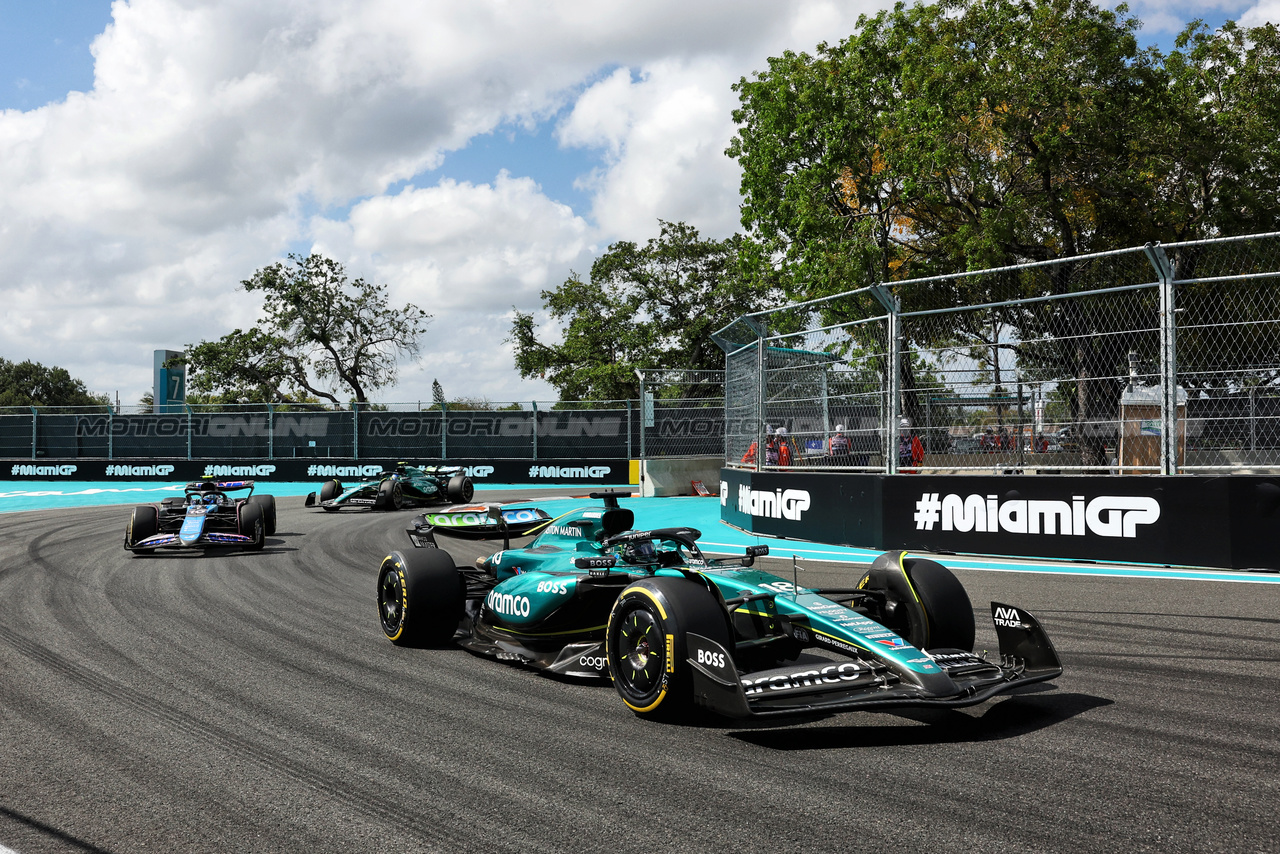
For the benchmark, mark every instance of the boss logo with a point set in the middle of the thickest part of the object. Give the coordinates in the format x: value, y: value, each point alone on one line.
x: 711, y: 659
x: 559, y: 588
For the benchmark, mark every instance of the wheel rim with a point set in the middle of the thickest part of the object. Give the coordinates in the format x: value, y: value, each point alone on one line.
x: 390, y: 602
x: 397, y: 496
x: 641, y: 655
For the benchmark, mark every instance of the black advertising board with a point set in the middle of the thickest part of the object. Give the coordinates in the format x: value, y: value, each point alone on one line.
x: 1186, y: 520
x: 593, y: 471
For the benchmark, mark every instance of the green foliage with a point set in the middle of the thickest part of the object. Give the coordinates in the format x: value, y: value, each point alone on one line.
x: 979, y: 133
x: 971, y: 134
x: 646, y: 307
x: 32, y: 384
x: 321, y: 337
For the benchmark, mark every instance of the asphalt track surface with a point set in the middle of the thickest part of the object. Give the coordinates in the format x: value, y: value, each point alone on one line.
x: 248, y: 702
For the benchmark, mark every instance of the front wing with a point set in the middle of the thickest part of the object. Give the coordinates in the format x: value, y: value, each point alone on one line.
x: 206, y: 540
x: 822, y: 686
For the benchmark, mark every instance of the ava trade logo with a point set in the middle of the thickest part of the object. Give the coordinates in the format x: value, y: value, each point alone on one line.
x: 1103, y: 516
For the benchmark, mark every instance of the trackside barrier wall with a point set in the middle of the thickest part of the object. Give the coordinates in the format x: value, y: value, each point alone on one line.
x: 678, y: 429
x: 576, y: 470
x: 1228, y: 521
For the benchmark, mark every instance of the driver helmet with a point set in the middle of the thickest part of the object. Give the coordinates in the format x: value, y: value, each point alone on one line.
x: 639, y: 552
x: 211, y: 498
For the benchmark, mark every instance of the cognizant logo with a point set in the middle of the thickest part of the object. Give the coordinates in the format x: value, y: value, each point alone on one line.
x: 779, y: 504
x: 1104, y: 516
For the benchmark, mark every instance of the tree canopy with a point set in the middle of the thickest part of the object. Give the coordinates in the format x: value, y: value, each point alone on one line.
x: 321, y: 336
x: 30, y: 383
x: 979, y: 133
x: 645, y: 307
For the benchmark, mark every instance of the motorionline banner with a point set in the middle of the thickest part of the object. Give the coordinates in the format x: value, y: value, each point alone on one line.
x: 1197, y: 521
x: 593, y: 471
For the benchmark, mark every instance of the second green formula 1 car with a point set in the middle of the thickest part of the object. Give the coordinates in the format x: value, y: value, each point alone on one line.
x: 405, y: 486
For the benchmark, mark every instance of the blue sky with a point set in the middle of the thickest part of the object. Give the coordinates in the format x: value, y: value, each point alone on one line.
x: 467, y: 154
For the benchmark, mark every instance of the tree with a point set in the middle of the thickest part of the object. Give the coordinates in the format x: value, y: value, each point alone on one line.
x: 320, y: 336
x: 971, y: 134
x: 437, y: 394
x: 646, y: 307
x: 32, y: 384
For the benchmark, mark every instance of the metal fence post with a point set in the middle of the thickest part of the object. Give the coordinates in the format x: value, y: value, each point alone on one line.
x: 355, y: 430
x: 762, y: 396
x: 1168, y: 360
x: 190, y: 427
x: 271, y: 432
x: 893, y: 379
x: 111, y: 433
x: 444, y: 431
x: 35, y: 415
x: 535, y: 428
x: 628, y: 428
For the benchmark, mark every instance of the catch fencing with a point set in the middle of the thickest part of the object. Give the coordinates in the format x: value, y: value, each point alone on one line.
x: 1155, y: 359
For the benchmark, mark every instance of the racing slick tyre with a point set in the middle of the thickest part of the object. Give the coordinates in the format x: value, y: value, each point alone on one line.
x: 924, y: 602
x: 645, y: 643
x: 390, y: 495
x: 143, y: 523
x: 268, y: 505
x: 459, y: 489
x: 249, y: 523
x: 420, y: 597
x: 329, y: 491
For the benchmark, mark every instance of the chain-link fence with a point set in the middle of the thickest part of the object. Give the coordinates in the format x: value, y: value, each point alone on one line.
x: 1147, y: 360
x: 681, y: 414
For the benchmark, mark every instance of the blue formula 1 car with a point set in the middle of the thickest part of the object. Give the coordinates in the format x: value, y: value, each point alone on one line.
x: 207, y: 516
x: 676, y: 630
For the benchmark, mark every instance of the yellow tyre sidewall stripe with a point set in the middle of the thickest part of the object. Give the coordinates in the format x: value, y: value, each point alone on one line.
x: 670, y: 642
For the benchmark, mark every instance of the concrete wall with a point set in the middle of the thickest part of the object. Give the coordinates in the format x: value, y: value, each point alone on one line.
x: 674, y: 476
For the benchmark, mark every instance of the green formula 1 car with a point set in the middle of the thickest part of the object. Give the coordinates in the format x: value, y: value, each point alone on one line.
x: 676, y: 630
x: 405, y: 486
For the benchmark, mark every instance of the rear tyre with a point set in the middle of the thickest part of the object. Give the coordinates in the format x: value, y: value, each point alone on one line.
x: 459, y: 489
x: 328, y: 491
x: 390, y: 495
x: 420, y: 597
x: 143, y: 522
x: 267, y: 503
x: 646, y: 644
x: 924, y: 601
x: 250, y: 524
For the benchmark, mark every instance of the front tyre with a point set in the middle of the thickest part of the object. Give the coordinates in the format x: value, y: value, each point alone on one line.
x: 390, y: 495
x: 330, y: 490
x: 459, y: 489
x: 420, y: 597
x: 143, y: 522
x: 924, y: 602
x: 646, y: 643
x: 250, y: 524
x: 267, y: 503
